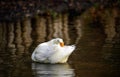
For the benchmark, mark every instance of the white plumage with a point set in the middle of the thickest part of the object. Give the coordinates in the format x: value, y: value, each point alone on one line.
x: 52, y: 51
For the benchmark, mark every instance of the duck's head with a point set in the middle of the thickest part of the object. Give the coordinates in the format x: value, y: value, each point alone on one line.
x: 58, y: 41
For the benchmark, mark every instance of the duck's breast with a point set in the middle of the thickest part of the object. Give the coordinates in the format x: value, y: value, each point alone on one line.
x: 61, y: 55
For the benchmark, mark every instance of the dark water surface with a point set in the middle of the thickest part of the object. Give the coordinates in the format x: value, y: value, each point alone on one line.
x: 90, y: 59
x: 97, y: 51
x: 23, y: 67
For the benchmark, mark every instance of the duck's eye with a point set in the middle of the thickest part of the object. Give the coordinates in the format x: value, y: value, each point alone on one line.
x: 58, y: 41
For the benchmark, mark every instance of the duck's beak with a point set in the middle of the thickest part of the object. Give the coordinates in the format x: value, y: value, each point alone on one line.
x: 61, y: 44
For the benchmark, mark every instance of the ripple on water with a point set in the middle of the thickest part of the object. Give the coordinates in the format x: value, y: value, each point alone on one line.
x: 52, y: 70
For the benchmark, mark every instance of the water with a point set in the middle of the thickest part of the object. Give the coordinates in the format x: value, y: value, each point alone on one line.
x: 23, y: 67
x: 96, y: 54
x: 52, y: 70
x: 90, y: 59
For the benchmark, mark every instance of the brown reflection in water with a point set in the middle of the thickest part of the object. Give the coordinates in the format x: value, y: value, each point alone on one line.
x: 18, y: 38
x: 78, y: 25
x: 49, y: 29
x: 11, y: 36
x: 26, y: 33
x: 3, y: 37
x: 110, y: 27
x: 57, y: 26
x: 40, y: 29
x: 65, y: 28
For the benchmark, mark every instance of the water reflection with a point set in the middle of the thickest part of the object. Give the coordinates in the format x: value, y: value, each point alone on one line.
x: 97, y: 39
x: 52, y: 70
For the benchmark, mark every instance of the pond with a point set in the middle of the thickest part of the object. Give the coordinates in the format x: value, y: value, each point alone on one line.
x: 96, y: 53
x: 22, y: 66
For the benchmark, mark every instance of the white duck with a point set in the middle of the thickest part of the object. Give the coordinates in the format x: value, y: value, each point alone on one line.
x: 52, y: 51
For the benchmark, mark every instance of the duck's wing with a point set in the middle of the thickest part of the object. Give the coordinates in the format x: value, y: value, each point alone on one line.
x: 41, y: 52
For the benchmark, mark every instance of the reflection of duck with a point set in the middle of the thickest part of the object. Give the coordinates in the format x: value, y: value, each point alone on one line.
x: 52, y: 51
x: 52, y: 70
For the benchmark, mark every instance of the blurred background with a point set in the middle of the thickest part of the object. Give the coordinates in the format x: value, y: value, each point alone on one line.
x: 92, y: 25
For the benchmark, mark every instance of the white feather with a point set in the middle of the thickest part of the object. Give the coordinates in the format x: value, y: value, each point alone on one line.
x: 52, y: 52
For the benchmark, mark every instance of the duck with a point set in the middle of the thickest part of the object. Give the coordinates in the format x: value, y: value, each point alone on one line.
x: 53, y: 51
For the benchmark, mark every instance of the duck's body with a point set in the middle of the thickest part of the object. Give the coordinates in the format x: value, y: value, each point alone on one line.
x: 52, y: 51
